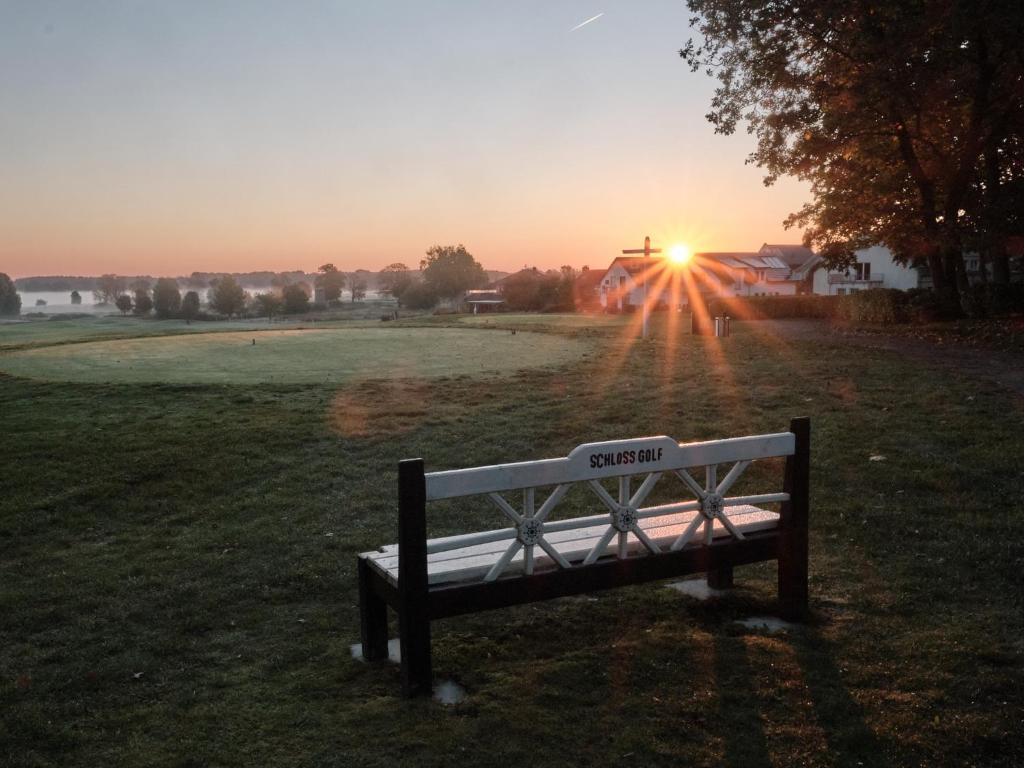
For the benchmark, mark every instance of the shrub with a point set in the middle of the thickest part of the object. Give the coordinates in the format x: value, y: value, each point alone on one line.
x: 884, y: 306
x: 418, y: 295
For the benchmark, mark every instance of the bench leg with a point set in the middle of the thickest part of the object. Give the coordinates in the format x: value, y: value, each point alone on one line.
x: 413, y: 589
x: 373, y: 617
x: 414, y: 637
x: 793, y: 581
x: 720, y: 579
x: 793, y: 544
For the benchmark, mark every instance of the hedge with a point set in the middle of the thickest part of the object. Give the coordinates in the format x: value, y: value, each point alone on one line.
x: 775, y: 307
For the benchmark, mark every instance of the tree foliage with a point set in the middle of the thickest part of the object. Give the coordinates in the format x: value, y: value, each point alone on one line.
x: 357, y: 286
x: 450, y: 269
x: 533, y: 290
x: 123, y: 303
x: 295, y: 298
x: 394, y: 279
x: 418, y: 295
x: 331, y: 281
x: 143, y: 302
x: 905, y: 118
x: 10, y: 301
x: 108, y: 288
x: 166, y: 297
x: 269, y: 304
x: 76, y: 297
x: 226, y: 296
x: 190, y: 305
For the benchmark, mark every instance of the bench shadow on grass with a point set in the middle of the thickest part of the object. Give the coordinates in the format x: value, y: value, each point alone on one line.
x: 850, y: 741
x: 744, y: 739
x: 741, y: 712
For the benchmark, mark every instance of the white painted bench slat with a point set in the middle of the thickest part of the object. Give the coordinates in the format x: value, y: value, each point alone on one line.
x: 588, y: 462
x: 473, y: 562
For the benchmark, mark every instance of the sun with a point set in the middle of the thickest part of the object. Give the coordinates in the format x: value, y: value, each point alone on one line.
x: 679, y: 253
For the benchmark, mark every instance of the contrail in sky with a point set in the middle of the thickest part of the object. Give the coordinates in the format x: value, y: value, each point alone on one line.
x: 584, y: 23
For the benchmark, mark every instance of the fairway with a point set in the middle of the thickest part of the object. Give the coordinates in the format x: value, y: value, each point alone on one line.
x: 294, y: 356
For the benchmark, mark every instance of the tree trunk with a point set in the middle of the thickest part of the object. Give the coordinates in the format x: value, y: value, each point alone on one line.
x: 1000, y: 264
x: 937, y: 272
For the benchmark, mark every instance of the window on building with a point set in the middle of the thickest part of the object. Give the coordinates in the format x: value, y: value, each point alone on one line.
x: 862, y: 270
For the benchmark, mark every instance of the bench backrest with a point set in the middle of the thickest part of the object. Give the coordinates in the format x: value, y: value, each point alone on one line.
x: 616, y: 458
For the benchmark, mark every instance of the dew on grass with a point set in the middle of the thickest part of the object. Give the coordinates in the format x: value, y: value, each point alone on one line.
x: 449, y: 693
x: 696, y: 588
x: 394, y: 651
x: 767, y: 623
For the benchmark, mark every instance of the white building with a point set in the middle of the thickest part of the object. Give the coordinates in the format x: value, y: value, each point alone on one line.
x: 874, y: 268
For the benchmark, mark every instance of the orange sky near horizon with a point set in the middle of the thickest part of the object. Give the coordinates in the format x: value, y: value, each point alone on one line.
x: 173, y: 138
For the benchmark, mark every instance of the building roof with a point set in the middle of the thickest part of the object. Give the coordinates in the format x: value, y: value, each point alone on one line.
x: 483, y: 297
x: 792, y: 255
x: 780, y: 262
x: 636, y: 265
x: 512, y: 277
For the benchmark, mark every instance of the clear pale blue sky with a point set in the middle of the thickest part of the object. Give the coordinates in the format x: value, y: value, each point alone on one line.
x: 165, y: 137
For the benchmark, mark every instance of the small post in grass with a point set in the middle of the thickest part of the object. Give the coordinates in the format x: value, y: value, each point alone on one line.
x: 793, y: 525
x: 413, y: 613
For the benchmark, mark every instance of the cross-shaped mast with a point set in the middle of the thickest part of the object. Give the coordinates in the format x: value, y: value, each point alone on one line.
x: 646, y: 251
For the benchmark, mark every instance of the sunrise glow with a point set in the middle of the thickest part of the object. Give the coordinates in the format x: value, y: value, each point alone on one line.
x: 680, y: 253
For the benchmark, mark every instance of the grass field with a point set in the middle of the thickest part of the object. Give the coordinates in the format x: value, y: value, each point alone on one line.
x: 177, y: 579
x: 293, y: 356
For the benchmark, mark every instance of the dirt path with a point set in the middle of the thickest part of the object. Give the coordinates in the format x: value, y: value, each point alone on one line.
x: 1005, y: 368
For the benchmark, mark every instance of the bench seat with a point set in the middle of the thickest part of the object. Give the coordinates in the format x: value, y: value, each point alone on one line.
x: 471, y: 563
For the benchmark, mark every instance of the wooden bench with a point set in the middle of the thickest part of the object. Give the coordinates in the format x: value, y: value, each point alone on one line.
x: 537, y: 558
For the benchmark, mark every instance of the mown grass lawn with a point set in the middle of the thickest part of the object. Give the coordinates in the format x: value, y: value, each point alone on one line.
x: 177, y: 569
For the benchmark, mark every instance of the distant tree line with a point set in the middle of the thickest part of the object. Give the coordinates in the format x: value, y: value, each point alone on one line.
x: 444, y: 274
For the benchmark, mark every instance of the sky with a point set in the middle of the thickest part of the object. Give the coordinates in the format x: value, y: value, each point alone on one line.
x: 152, y: 137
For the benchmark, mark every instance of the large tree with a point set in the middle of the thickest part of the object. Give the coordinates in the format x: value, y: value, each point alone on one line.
x: 295, y: 298
x: 143, y: 303
x: 331, y: 281
x: 166, y: 297
x: 394, y: 279
x: 269, y: 304
x: 226, y: 296
x: 448, y: 270
x: 190, y: 306
x: 357, y: 286
x: 904, y: 116
x: 10, y: 301
x: 108, y: 288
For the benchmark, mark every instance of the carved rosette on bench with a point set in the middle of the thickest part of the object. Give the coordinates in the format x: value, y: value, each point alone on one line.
x: 538, y: 558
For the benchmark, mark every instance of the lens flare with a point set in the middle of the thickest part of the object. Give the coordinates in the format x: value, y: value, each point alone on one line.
x: 679, y: 253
